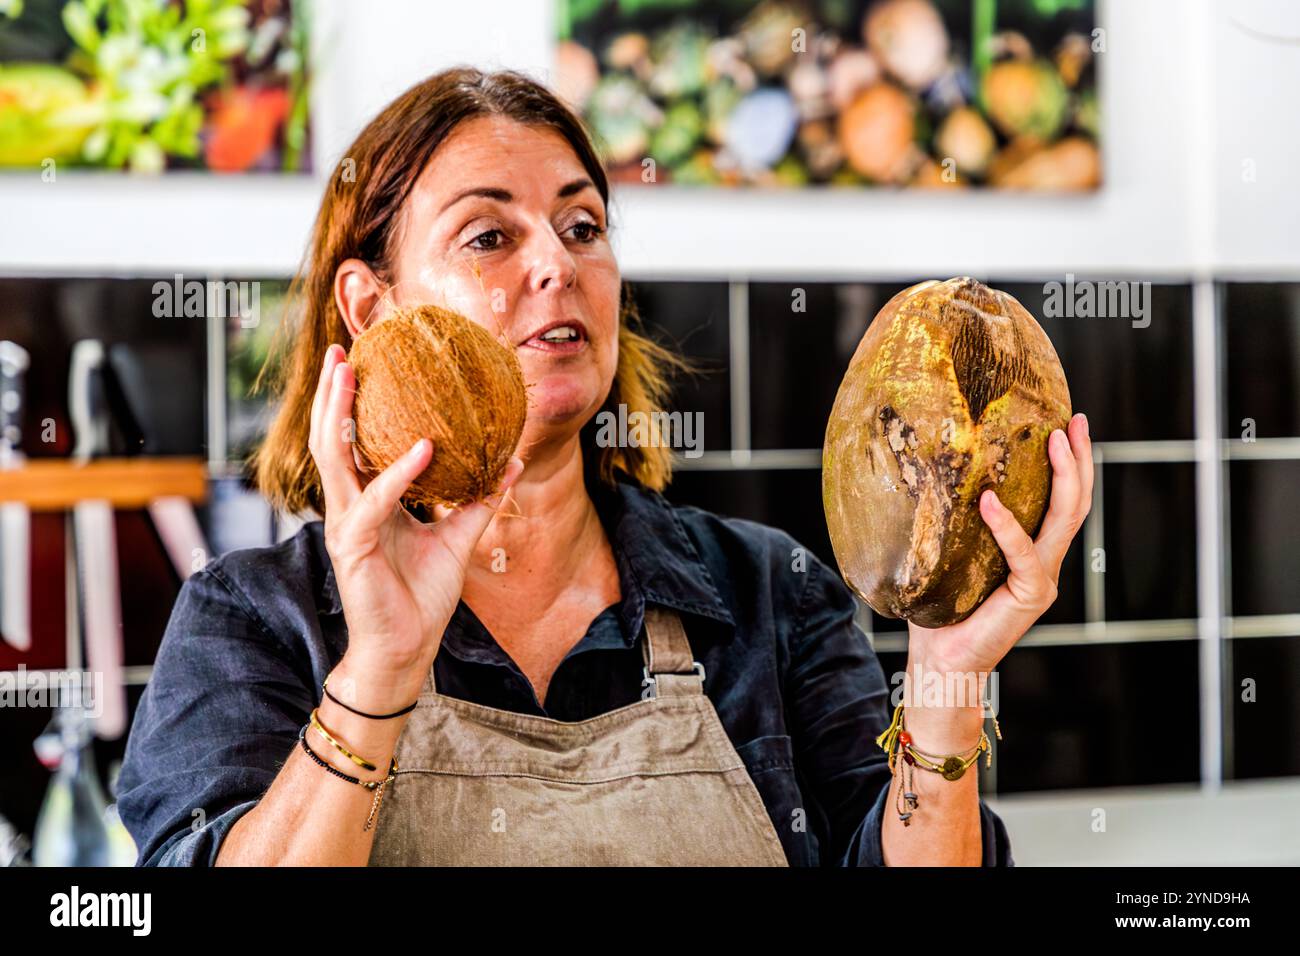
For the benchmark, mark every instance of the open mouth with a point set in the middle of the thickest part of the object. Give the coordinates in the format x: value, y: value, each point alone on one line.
x: 561, y: 337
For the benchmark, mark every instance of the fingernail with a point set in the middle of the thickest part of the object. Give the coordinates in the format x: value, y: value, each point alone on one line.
x: 417, y: 448
x: 1085, y: 423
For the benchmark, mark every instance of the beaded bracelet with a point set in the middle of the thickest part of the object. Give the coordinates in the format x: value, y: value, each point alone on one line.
x: 376, y: 785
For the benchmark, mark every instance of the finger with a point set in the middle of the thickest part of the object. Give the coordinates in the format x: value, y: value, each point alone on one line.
x: 334, y: 448
x: 1081, y: 445
x: 333, y: 355
x: 1028, y: 582
x: 382, y: 494
x: 1063, y: 516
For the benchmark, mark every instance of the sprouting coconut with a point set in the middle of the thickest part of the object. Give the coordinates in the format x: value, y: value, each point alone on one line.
x: 953, y: 389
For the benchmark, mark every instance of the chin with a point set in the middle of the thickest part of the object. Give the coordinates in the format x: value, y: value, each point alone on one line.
x: 559, y: 398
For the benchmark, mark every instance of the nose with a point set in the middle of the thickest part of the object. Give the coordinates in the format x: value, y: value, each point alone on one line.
x: 553, y: 267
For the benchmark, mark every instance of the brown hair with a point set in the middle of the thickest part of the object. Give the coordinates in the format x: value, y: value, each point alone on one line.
x: 358, y: 218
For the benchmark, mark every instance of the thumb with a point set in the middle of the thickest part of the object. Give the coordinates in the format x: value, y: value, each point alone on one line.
x: 462, y: 528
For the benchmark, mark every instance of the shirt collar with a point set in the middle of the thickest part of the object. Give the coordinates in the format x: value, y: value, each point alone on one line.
x: 657, y: 564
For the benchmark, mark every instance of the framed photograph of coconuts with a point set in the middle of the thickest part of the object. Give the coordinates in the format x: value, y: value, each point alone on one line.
x: 944, y: 94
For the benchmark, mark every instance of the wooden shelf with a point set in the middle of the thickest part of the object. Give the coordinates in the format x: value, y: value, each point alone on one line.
x: 58, y: 484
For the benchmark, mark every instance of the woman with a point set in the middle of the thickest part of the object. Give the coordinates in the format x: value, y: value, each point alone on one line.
x: 499, y: 662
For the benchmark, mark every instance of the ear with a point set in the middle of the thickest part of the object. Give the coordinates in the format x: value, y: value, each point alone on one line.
x: 357, y: 290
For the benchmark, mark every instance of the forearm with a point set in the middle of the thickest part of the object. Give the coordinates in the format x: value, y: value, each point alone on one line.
x: 944, y: 829
x: 309, y: 816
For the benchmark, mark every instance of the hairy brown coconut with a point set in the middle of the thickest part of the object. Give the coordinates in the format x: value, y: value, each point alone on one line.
x: 953, y: 389
x: 428, y: 372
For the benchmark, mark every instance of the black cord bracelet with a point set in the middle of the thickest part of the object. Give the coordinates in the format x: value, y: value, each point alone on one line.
x: 405, y: 710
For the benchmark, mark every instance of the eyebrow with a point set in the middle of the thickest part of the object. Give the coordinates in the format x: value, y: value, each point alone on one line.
x: 505, y: 195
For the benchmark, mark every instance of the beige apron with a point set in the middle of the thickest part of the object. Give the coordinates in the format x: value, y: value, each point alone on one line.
x: 654, y: 783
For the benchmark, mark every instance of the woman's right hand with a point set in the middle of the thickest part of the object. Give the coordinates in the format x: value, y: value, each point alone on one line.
x: 399, y: 580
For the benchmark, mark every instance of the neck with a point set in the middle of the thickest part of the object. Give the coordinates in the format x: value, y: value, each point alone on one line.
x: 545, y: 550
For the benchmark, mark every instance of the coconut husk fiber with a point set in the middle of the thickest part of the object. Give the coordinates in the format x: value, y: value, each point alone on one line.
x: 430, y: 372
x: 953, y: 389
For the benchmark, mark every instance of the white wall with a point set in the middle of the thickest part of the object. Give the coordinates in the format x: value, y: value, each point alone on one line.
x: 1187, y: 95
x: 1257, y: 226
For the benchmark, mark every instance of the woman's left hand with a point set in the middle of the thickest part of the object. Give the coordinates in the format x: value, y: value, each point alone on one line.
x: 977, y: 644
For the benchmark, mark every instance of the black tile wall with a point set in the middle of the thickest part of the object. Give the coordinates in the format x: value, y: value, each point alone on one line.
x: 1135, y: 384
x: 1265, y: 529
x: 1086, y: 716
x: 1262, y: 338
x: 1150, y: 535
x: 801, y: 338
x: 1264, y: 729
x: 691, y: 318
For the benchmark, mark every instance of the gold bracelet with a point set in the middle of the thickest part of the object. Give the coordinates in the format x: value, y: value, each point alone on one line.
x: 359, y: 761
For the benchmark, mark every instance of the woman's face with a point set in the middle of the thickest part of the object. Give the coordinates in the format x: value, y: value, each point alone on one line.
x: 505, y: 226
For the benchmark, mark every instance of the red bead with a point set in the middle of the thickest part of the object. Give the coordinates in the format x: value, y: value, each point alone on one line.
x: 905, y: 737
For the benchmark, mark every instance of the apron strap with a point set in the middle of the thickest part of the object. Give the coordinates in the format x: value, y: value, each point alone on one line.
x: 670, y: 667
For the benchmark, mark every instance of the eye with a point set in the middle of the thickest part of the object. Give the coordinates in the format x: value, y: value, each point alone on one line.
x: 495, y: 235
x: 586, y: 231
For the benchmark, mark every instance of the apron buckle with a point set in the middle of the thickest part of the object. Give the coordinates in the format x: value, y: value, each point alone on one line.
x: 648, y: 687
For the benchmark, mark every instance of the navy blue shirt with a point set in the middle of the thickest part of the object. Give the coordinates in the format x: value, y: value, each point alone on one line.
x: 795, y: 682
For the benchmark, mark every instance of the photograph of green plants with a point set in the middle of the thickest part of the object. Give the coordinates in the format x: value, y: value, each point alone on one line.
x: 154, y: 85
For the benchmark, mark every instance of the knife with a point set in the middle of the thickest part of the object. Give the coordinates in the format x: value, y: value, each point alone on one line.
x: 15, y: 519
x: 95, y: 541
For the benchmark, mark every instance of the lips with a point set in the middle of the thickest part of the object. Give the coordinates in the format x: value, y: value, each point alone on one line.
x: 552, y: 337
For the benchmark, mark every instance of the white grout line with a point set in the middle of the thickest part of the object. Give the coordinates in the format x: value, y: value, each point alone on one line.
x: 1227, y: 764
x: 1128, y: 632
x: 750, y: 460
x: 1121, y: 452
x: 1262, y: 625
x: 1094, y: 537
x: 216, y: 390
x: 1201, y: 18
x: 738, y: 336
x: 1042, y: 635
x: 1210, y: 542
